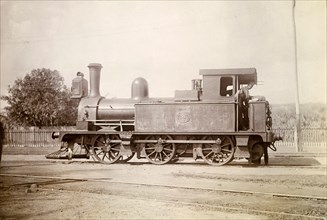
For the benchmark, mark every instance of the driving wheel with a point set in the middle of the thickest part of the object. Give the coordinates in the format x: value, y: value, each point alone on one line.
x: 159, y: 152
x: 219, y: 153
x: 106, y: 148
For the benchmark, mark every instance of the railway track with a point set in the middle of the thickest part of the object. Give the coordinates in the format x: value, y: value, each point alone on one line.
x: 286, y: 215
x: 181, y: 162
x: 173, y: 186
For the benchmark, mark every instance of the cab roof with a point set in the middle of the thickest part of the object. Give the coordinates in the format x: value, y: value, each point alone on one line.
x: 245, y: 75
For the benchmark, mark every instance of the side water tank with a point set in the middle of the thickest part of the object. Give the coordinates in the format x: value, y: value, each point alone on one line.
x: 140, y: 89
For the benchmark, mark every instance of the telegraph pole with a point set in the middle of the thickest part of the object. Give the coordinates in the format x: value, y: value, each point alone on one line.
x: 297, y: 99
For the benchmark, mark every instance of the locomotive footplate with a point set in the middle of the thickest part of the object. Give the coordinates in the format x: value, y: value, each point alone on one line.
x: 176, y: 141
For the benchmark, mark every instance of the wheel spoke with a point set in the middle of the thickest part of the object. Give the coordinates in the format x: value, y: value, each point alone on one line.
x: 165, y: 154
x: 100, y: 151
x: 209, y: 154
x: 104, y: 156
x: 155, y: 157
x: 151, y: 153
x: 160, y: 156
x: 228, y: 144
x: 112, y: 155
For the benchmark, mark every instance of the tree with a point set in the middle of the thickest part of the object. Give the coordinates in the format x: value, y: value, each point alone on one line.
x: 40, y: 99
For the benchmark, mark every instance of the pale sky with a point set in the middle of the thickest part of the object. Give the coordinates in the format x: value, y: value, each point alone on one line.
x: 167, y: 42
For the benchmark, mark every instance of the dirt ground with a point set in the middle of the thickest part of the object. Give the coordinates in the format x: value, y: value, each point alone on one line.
x: 35, y: 188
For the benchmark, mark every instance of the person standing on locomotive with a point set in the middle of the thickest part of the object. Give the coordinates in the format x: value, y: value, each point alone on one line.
x: 243, y: 97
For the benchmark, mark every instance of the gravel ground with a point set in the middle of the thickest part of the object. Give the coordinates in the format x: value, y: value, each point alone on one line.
x: 139, y: 190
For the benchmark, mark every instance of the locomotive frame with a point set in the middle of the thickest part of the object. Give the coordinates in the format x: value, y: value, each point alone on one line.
x: 216, y: 122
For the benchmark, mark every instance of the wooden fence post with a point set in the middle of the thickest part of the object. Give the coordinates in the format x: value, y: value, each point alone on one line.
x: 296, y: 139
x: 34, y: 141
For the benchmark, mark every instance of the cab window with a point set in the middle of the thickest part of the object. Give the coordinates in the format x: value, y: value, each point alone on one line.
x: 226, y: 86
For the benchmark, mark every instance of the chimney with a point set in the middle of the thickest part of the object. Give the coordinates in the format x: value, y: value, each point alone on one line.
x: 95, y: 69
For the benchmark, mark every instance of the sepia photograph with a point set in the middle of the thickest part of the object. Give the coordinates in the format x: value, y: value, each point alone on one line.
x: 163, y: 109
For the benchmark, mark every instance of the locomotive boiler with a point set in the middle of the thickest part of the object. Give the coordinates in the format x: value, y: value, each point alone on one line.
x: 96, y: 112
x: 216, y: 121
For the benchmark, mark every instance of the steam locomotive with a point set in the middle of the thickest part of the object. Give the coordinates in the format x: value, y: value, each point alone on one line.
x: 217, y: 121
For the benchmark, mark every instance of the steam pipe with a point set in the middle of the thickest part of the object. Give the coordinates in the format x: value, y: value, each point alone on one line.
x: 95, y: 69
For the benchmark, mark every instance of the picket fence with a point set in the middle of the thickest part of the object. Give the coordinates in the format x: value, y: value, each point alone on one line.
x: 32, y: 137
x: 312, y: 139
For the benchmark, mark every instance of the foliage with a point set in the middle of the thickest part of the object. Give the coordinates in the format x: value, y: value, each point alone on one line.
x: 4, y: 121
x: 313, y: 115
x: 40, y: 99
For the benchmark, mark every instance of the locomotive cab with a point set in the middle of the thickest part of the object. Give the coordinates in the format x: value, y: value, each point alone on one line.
x: 231, y: 86
x: 223, y: 84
